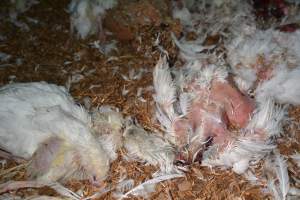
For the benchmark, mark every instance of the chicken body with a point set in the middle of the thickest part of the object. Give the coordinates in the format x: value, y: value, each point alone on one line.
x: 209, y: 104
x: 41, y: 122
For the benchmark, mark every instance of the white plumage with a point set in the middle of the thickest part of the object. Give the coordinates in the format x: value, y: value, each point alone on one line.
x: 150, y: 148
x: 268, y: 62
x: 86, y: 16
x: 40, y: 121
x: 107, y: 128
x: 283, y: 86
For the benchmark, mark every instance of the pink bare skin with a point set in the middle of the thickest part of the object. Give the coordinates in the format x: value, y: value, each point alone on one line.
x: 180, y: 128
x: 238, y: 107
x: 215, y: 108
x: 211, y: 118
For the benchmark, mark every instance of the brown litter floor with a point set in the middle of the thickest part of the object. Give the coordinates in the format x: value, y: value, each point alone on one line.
x: 46, y: 48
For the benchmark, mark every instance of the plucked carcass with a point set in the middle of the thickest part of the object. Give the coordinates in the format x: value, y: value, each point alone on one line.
x: 210, y: 120
x: 198, y: 106
x: 40, y: 122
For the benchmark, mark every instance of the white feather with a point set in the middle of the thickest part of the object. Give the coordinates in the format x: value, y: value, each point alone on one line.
x: 107, y: 125
x: 183, y: 15
x: 185, y: 103
x: 268, y: 117
x: 106, y: 48
x: 251, y: 177
x: 15, y: 185
x: 283, y: 86
x: 209, y: 73
x: 163, y: 119
x: 238, y: 154
x: 272, y: 187
x: 191, y: 50
x: 163, y: 83
x: 282, y: 175
x: 86, y: 15
x: 150, y: 148
x: 143, y: 186
x: 125, y: 185
x: 165, y: 90
x: 294, y: 191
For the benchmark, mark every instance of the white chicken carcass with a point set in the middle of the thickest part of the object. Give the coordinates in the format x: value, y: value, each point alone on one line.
x: 87, y: 15
x: 40, y: 122
x: 207, y: 104
x: 198, y: 119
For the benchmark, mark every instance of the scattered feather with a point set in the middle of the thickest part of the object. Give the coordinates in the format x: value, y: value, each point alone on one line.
x: 282, y: 175
x: 141, y: 190
x: 15, y: 185
x: 4, y: 57
x: 86, y: 16
x: 125, y: 185
x: 105, y: 49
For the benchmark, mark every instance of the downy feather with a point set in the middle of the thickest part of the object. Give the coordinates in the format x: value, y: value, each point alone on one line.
x: 165, y: 90
x: 283, y: 86
x: 282, y: 175
x: 268, y: 117
x: 150, y: 148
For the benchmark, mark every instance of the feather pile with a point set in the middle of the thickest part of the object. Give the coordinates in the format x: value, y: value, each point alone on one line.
x: 87, y: 15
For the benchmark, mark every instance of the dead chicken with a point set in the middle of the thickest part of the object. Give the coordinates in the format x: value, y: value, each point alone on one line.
x: 87, y: 15
x: 40, y: 122
x: 199, y: 120
x: 207, y: 104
